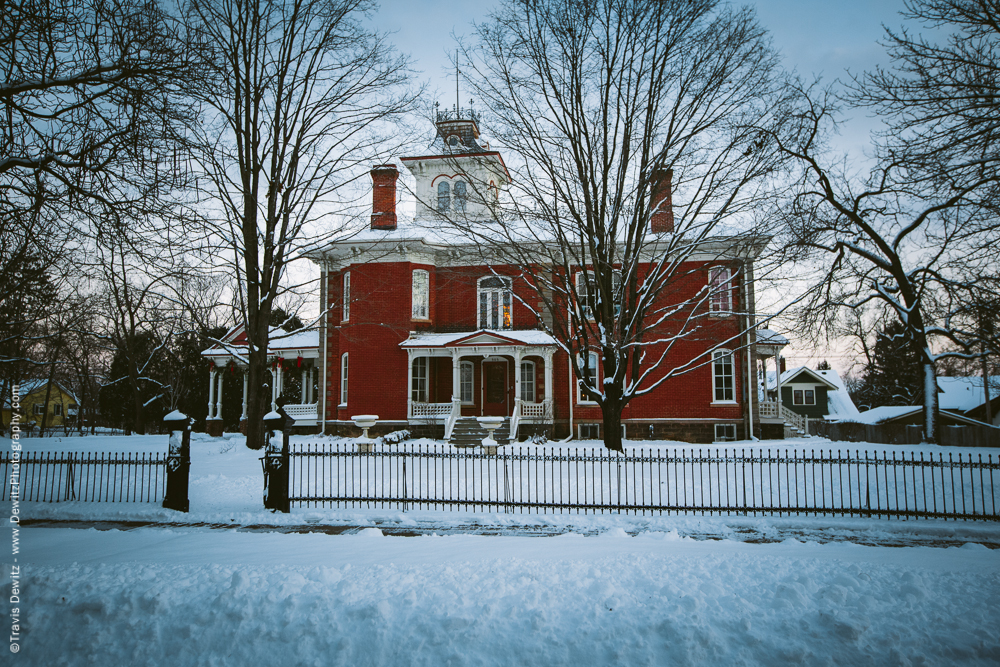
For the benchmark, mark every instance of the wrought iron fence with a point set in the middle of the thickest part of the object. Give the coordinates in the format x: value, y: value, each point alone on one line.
x: 91, y: 477
x: 536, y: 479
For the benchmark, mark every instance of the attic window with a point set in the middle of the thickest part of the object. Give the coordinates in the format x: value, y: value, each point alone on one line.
x: 444, y: 196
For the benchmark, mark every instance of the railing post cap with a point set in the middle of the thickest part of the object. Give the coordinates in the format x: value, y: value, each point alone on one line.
x: 175, y: 416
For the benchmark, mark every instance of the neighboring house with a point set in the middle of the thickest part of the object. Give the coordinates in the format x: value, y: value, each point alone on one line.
x: 965, y: 395
x: 911, y: 414
x: 61, y: 409
x: 814, y: 394
x: 422, y: 332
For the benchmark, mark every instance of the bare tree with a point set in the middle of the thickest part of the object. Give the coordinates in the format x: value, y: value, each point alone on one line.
x: 920, y: 230
x: 610, y: 108
x: 299, y: 89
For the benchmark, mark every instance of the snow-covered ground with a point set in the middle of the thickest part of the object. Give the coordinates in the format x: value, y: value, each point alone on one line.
x: 329, y: 586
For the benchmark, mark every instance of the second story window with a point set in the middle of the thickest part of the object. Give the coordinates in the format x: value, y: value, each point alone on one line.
x: 588, y: 294
x: 495, y: 303
x: 444, y: 196
x: 347, y: 296
x: 421, y: 295
x: 460, y: 196
x: 720, y: 282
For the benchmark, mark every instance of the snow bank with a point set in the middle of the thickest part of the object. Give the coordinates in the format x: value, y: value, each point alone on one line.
x: 195, y: 597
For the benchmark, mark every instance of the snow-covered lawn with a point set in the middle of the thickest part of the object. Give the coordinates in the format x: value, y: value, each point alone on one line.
x: 610, y: 589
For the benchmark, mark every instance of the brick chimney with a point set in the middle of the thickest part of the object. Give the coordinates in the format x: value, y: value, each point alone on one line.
x: 661, y: 201
x: 781, y: 364
x: 384, y: 196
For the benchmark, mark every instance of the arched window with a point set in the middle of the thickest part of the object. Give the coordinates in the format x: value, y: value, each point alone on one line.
x: 723, y: 380
x: 495, y: 303
x: 343, y: 379
x: 444, y: 196
x: 465, y: 382
x: 528, y: 381
x: 460, y: 196
x: 420, y: 296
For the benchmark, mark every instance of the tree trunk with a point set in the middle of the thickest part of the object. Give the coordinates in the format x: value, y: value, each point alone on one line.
x: 611, y: 411
x: 258, y: 399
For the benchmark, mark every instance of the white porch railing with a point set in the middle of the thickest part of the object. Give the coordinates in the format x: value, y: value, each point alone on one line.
x: 456, y: 412
x: 303, y: 412
x: 430, y: 410
x: 775, y: 410
x: 530, y: 413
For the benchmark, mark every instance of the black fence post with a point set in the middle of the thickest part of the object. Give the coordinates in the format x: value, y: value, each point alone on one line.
x: 178, y: 461
x: 275, y: 461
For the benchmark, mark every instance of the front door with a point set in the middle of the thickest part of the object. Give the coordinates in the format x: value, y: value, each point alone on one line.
x: 495, y: 388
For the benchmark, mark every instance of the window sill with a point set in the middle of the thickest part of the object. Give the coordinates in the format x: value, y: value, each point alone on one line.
x: 717, y: 313
x: 723, y: 403
x: 420, y: 319
x: 342, y: 405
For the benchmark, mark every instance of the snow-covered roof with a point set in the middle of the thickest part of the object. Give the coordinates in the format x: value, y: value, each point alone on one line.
x: 769, y: 337
x: 884, y: 413
x: 964, y: 393
x: 278, y: 341
x: 839, y: 403
x: 524, y: 337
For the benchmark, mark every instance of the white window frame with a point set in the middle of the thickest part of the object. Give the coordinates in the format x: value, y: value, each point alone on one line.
x: 804, y: 392
x: 418, y: 380
x: 38, y: 409
x: 580, y: 398
x: 723, y: 431
x: 57, y: 409
x: 346, y: 315
x: 731, y: 375
x: 497, y: 299
x: 420, y: 295
x: 720, y: 285
x: 466, y: 383
x: 584, y: 279
x: 344, y: 366
x: 528, y: 381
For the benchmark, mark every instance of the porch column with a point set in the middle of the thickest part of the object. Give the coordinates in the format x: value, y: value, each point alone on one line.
x: 218, y: 398
x: 245, y: 381
x: 303, y: 386
x: 777, y: 379
x: 211, y: 394
x: 456, y: 375
x: 548, y: 375
x: 409, y: 383
x: 274, y: 388
x: 518, y: 356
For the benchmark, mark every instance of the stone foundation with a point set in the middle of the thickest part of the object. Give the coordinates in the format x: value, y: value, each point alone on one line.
x: 214, y: 427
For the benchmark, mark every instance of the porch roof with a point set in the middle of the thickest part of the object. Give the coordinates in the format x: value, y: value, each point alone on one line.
x: 482, y: 337
x: 302, y: 343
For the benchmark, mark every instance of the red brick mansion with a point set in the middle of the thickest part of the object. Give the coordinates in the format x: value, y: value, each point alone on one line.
x: 423, y: 333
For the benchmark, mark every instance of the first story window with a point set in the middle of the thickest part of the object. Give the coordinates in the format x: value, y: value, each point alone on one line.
x: 418, y: 380
x: 528, y: 381
x: 803, y: 397
x: 343, y: 379
x: 720, y: 282
x: 588, y: 367
x: 57, y: 409
x: 465, y: 373
x: 39, y: 409
x: 420, y: 295
x: 347, y: 296
x: 723, y: 381
x: 495, y: 303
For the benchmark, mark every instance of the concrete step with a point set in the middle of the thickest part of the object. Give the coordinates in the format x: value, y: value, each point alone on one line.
x: 468, y: 433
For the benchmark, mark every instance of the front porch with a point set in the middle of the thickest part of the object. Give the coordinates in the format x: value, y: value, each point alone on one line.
x: 482, y: 373
x: 294, y: 368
